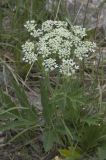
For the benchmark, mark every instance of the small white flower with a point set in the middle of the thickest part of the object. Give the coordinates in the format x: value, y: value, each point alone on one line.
x: 30, y: 25
x: 84, y: 49
x: 31, y: 28
x: 50, y: 64
x: 68, y: 67
x: 79, y: 31
x: 48, y: 25
x: 29, y: 52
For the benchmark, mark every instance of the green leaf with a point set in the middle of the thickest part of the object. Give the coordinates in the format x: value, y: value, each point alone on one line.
x: 90, y: 136
x: 7, y: 103
x: 90, y: 120
x: 19, y: 116
x: 45, y: 100
x: 29, y: 114
x: 70, y: 154
x: 49, y: 139
x: 102, y: 153
x: 20, y: 93
x: 16, y: 124
x: 21, y: 133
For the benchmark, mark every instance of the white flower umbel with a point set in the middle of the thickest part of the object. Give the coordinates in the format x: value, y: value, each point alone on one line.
x: 79, y: 31
x: 84, y: 49
x: 68, y: 67
x: 57, y: 42
x: 50, y: 64
x: 48, y: 25
x: 31, y: 28
x: 58, y: 45
x: 30, y: 25
x: 29, y: 52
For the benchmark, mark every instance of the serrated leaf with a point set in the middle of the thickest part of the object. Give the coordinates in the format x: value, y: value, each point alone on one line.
x: 49, y: 139
x: 90, y: 120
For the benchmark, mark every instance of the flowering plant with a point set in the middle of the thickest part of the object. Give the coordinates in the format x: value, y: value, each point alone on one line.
x: 58, y: 46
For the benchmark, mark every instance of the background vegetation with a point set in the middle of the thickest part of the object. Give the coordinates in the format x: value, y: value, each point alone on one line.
x: 76, y: 132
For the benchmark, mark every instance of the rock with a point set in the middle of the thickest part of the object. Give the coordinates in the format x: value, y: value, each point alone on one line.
x: 90, y: 13
x: 6, y: 23
x: 35, y: 100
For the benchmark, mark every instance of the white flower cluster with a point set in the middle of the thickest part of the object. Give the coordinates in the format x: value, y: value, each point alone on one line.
x: 31, y: 27
x: 68, y: 67
x: 50, y: 64
x: 79, y: 31
x: 59, y: 45
x: 48, y: 25
x: 29, y: 52
x: 83, y: 49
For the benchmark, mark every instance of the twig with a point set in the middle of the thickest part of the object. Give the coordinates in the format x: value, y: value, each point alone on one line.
x: 78, y: 13
x: 57, y: 10
x: 28, y: 72
x: 86, y: 12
